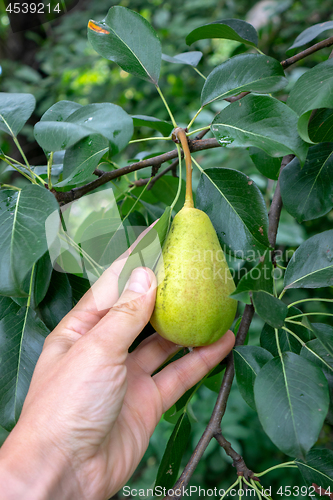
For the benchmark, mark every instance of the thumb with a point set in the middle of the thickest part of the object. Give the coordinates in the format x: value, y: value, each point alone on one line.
x: 129, y: 315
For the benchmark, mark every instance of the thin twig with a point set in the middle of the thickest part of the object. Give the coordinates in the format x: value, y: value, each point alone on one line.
x: 76, y: 193
x: 173, y: 166
x: 307, y: 52
x: 236, y: 97
x: 213, y: 428
x: 276, y: 206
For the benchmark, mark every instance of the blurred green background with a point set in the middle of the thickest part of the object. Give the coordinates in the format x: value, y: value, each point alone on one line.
x: 55, y: 62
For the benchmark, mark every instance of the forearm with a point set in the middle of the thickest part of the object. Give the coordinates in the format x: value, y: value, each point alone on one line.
x: 32, y: 469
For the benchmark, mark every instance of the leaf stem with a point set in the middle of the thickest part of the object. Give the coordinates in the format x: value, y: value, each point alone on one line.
x: 309, y: 300
x: 179, y: 178
x: 181, y: 135
x: 282, y: 293
x: 166, y: 105
x: 310, y: 314
x: 255, y: 487
x: 279, y: 466
x: 31, y: 179
x: 199, y: 73
x: 198, y: 130
x: 306, y: 347
x: 21, y: 151
x: 31, y: 285
x: 9, y: 186
x: 49, y: 170
x: 194, y: 118
x: 230, y: 488
x: 169, y: 138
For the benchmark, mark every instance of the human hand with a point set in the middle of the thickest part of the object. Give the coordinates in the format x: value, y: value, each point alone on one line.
x: 92, y: 407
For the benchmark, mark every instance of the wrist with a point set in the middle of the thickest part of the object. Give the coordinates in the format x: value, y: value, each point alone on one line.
x: 33, y: 469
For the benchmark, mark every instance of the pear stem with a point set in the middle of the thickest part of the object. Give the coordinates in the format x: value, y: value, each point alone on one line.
x: 181, y: 135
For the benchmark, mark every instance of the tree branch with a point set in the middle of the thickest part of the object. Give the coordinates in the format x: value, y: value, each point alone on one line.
x: 213, y: 429
x: 76, y: 193
x: 276, y: 206
x: 307, y: 52
x: 174, y: 164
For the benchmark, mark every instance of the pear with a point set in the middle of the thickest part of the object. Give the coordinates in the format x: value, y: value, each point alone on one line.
x: 193, y: 307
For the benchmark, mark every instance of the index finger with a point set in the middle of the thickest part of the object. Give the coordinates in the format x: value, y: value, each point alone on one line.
x: 104, y: 293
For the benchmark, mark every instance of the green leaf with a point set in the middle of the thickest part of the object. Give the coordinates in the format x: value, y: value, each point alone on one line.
x: 40, y: 280
x: 248, y: 362
x: 245, y: 72
x: 258, y: 278
x: 22, y: 219
x: 79, y: 287
x: 150, y: 121
x: 58, y: 300
x: 21, y: 340
x: 60, y: 111
x: 81, y: 160
x: 310, y: 34
x: 136, y: 50
x: 260, y: 121
x: 286, y: 340
x: 307, y: 192
x: 324, y: 334
x: 15, y: 110
x: 7, y: 306
x: 237, y: 210
x: 3, y: 435
x: 317, y: 469
x: 315, y: 352
x: 148, y: 250
x: 169, y: 466
x: 267, y: 165
x: 165, y: 191
x: 291, y: 396
x: 272, y: 310
x: 321, y: 126
x: 213, y: 382
x: 313, y: 90
x: 230, y: 29
x: 191, y: 58
x: 311, y: 266
x: 172, y: 415
x: 106, y: 119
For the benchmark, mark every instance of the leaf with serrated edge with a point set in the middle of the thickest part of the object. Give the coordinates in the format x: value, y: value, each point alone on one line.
x: 307, y: 191
x: 248, y: 362
x: 21, y: 340
x: 310, y: 34
x: 237, y: 210
x: 15, y: 110
x: 313, y: 90
x: 311, y: 266
x: 260, y: 121
x: 23, y: 238
x: 245, y: 72
x: 230, y: 29
x: 291, y: 396
x: 136, y: 50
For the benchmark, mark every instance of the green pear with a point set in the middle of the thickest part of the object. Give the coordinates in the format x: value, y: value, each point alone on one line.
x: 193, y: 307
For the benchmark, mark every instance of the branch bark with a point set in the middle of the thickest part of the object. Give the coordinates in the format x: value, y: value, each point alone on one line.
x: 307, y: 52
x: 276, y: 206
x: 76, y: 193
x: 213, y: 429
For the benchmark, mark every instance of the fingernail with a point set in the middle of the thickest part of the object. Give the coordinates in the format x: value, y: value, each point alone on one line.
x: 139, y: 281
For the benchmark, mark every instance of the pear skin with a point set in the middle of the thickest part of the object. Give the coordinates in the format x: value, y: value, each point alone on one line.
x: 193, y: 307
